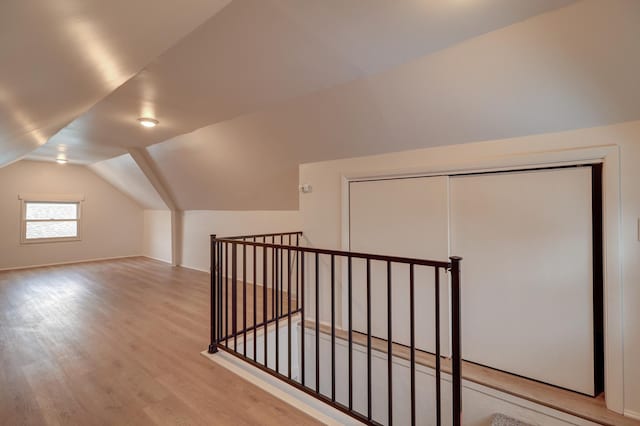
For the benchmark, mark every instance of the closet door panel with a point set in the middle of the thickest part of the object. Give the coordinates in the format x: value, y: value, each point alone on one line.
x: 400, y: 217
x: 527, y: 284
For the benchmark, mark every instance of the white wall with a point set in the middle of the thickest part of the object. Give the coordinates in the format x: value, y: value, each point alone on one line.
x: 112, y: 223
x: 322, y: 214
x: 157, y: 235
x: 199, y: 224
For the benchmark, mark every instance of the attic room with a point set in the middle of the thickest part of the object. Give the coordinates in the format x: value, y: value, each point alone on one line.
x: 341, y: 212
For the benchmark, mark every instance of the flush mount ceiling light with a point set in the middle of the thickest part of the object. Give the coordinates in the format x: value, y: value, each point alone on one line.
x: 148, y: 122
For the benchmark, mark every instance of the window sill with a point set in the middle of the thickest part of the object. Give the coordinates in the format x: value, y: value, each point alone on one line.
x: 49, y: 240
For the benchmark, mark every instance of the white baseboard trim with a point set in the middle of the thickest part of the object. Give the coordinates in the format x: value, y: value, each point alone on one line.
x: 632, y: 414
x: 71, y: 262
x: 292, y: 396
x: 157, y: 258
x: 194, y: 268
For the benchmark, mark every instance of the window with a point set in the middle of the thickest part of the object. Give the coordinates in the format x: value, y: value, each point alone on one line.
x: 44, y: 221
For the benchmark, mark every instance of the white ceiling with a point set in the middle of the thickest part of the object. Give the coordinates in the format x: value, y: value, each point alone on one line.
x: 60, y: 57
x: 255, y: 54
x: 573, y: 68
x: 123, y: 173
x: 264, y: 85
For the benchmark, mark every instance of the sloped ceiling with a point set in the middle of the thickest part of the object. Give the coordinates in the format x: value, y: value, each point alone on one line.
x: 573, y: 68
x: 60, y: 57
x: 255, y: 54
x: 265, y: 85
x: 123, y: 173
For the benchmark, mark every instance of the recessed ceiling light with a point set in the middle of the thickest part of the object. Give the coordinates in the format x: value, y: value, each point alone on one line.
x: 148, y: 122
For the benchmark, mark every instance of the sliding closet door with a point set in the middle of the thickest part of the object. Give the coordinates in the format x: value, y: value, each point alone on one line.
x: 527, y: 273
x: 400, y: 217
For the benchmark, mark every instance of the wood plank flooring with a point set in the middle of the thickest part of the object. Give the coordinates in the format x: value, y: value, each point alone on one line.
x: 117, y: 343
x: 245, y: 310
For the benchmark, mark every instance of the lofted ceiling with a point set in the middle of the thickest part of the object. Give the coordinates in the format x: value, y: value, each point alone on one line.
x: 574, y: 68
x: 58, y: 58
x: 255, y: 54
x: 247, y: 90
x: 123, y: 173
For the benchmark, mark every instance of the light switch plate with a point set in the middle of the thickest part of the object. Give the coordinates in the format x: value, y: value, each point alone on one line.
x: 305, y: 188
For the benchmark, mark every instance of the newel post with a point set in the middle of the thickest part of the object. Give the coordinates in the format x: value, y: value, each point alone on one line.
x: 456, y: 350
x: 213, y: 346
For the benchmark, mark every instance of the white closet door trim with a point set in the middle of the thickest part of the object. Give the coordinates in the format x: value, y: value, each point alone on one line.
x: 609, y: 155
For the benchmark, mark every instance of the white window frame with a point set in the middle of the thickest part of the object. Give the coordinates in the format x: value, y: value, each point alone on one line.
x: 47, y: 198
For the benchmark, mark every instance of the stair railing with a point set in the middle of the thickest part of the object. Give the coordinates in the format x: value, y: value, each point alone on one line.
x: 271, y: 267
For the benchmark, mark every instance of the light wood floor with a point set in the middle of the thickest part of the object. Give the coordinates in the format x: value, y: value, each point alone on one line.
x: 117, y: 343
x: 245, y: 310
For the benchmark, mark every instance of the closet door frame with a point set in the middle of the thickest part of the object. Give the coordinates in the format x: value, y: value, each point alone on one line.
x: 606, y: 155
x: 597, y: 263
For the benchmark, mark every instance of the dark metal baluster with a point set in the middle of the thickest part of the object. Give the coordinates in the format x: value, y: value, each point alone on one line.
x: 264, y: 299
x: 278, y: 272
x: 220, y: 296
x: 273, y: 280
x: 317, y: 323
x: 226, y: 294
x: 281, y: 280
x: 456, y: 354
x: 333, y: 328
x: 438, y: 368
x: 389, y: 345
x: 303, y: 330
x: 213, y: 343
x: 234, y: 295
x: 297, y: 273
x: 369, y: 407
x: 413, y: 342
x: 255, y: 309
x: 349, y: 306
x: 244, y: 298
x: 289, y: 309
